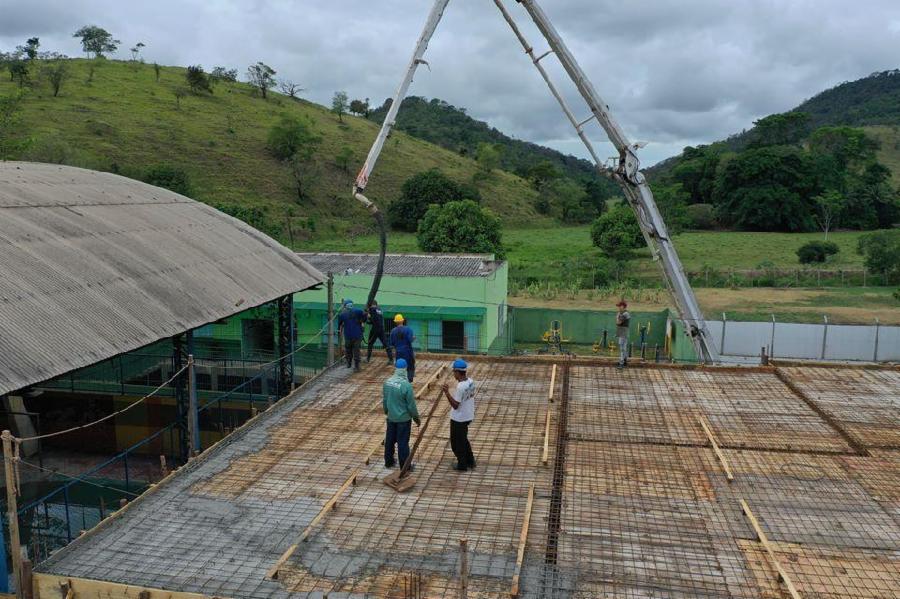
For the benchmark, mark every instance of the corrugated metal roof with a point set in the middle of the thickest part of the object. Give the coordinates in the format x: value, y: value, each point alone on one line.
x: 406, y: 265
x: 94, y: 264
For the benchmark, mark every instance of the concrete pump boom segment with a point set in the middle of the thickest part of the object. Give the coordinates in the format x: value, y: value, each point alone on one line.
x: 626, y: 173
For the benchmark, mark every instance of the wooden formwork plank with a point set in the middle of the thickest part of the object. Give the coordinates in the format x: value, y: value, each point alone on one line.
x: 329, y: 505
x: 545, y: 457
x: 523, y: 539
x: 552, y: 384
x: 782, y: 574
x: 728, y: 475
x: 48, y: 586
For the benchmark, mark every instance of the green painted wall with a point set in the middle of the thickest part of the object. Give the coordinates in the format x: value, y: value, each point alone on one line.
x: 586, y: 326
x: 425, y: 301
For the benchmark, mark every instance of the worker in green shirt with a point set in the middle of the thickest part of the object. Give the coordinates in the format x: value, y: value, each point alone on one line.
x: 399, y: 403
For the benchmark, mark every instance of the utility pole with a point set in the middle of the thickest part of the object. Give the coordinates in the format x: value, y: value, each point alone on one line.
x: 193, y: 412
x: 12, y: 507
x: 330, y: 358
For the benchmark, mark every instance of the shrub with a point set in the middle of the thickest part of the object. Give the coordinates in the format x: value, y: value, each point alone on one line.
x: 881, y: 252
x: 169, y: 176
x: 701, y: 216
x: 422, y: 190
x: 291, y: 136
x: 816, y: 251
x: 460, y: 226
x: 617, y: 231
x: 197, y: 79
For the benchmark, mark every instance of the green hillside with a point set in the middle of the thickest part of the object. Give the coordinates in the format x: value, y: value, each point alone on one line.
x: 115, y: 116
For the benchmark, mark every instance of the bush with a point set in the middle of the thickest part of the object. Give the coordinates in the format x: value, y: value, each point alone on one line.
x: 171, y: 177
x: 617, y: 231
x: 816, y: 251
x: 197, y: 79
x: 422, y: 190
x: 881, y: 252
x: 461, y: 226
x: 701, y: 216
x: 291, y: 136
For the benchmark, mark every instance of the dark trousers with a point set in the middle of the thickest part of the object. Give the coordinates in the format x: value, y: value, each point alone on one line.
x: 459, y: 443
x: 410, y: 364
x: 374, y: 336
x: 397, y: 434
x: 351, y: 351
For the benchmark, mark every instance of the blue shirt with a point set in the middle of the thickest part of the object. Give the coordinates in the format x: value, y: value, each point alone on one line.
x: 402, y: 340
x: 351, y: 322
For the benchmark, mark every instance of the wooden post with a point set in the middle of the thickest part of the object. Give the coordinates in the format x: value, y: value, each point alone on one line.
x: 523, y: 541
x: 27, y: 585
x: 15, y: 547
x: 463, y: 569
x: 546, y: 455
x: 163, y: 467
x: 330, y: 319
x: 552, y: 383
x: 782, y: 574
x: 721, y: 457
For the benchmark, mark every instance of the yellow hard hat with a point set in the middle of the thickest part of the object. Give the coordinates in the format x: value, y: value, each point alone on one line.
x: 398, y: 319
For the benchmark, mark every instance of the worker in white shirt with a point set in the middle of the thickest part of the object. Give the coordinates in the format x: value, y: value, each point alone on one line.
x: 462, y: 404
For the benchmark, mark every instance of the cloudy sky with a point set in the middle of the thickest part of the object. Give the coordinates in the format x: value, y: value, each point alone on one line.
x: 674, y: 72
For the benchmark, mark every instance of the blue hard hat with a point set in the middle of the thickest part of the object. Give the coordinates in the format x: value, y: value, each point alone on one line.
x: 401, y: 363
x: 348, y: 302
x: 460, y: 364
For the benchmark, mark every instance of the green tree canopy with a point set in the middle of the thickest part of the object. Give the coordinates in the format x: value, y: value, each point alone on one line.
x: 422, y: 190
x: 767, y: 189
x: 881, y: 253
x: 617, y: 232
x: 97, y: 41
x: 460, y: 226
x: 291, y: 137
x: 780, y: 129
x: 169, y: 176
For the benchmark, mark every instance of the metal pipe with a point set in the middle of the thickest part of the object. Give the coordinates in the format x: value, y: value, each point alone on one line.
x: 875, y: 354
x: 824, y: 335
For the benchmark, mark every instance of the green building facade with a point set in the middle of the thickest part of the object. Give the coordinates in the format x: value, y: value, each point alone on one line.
x: 453, y: 302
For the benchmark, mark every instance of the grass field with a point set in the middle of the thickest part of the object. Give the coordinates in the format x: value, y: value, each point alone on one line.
x: 121, y: 118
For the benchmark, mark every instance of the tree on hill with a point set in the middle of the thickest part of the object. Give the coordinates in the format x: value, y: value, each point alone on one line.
x: 780, y: 129
x: 617, y: 232
x: 816, y: 251
x: 767, y: 189
x: 339, y: 104
x: 881, y: 253
x: 343, y: 159
x: 541, y: 173
x: 18, y: 72
x: 828, y: 207
x: 488, y: 157
x: 360, y: 108
x: 30, y: 49
x: 136, y: 51
x: 290, y: 89
x: 293, y: 141
x: 56, y: 74
x: 197, y: 79
x: 460, y: 227
x: 419, y: 192
x: 696, y: 172
x: 219, y: 74
x: 262, y: 77
x: 97, y: 41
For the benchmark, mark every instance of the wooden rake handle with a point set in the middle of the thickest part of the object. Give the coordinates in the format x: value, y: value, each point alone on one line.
x: 405, y: 469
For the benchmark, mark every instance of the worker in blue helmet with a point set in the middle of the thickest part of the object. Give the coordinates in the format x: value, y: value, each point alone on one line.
x: 462, y: 413
x: 350, y: 324
x: 399, y: 404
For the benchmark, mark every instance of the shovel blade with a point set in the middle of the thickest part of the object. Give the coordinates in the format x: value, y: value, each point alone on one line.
x: 400, y: 484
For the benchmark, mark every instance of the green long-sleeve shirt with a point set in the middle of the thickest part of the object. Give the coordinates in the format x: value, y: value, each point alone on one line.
x: 398, y: 400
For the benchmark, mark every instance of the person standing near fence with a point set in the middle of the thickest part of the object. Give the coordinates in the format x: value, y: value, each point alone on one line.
x: 350, y: 324
x: 376, y: 331
x: 623, y: 319
x: 402, y: 339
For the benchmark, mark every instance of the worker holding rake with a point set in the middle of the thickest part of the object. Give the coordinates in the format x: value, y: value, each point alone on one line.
x: 399, y: 404
x: 462, y: 413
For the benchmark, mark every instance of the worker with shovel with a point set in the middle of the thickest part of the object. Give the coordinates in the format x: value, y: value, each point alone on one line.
x: 399, y: 403
x: 462, y: 413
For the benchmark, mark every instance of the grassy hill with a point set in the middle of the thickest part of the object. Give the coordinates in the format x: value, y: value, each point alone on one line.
x: 115, y: 116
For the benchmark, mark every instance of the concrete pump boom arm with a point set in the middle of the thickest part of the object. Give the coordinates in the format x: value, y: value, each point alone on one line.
x: 627, y: 172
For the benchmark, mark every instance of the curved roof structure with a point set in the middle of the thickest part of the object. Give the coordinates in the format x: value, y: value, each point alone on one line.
x: 94, y: 264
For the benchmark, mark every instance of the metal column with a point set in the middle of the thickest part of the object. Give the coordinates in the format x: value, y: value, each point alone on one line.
x: 179, y: 359
x: 285, y: 344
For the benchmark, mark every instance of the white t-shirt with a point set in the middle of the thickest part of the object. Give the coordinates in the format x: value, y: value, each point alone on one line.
x: 465, y: 395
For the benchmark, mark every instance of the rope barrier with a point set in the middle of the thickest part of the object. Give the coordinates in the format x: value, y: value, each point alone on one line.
x: 107, y: 417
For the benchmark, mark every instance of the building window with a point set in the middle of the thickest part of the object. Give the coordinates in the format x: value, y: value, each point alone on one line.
x: 454, y: 335
x: 257, y: 336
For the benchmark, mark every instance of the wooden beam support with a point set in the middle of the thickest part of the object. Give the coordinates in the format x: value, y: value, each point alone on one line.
x: 429, y: 381
x: 721, y: 456
x: 782, y: 574
x: 523, y: 540
x: 463, y: 569
x: 327, y: 507
x: 546, y: 455
x: 552, y: 384
x: 48, y: 586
